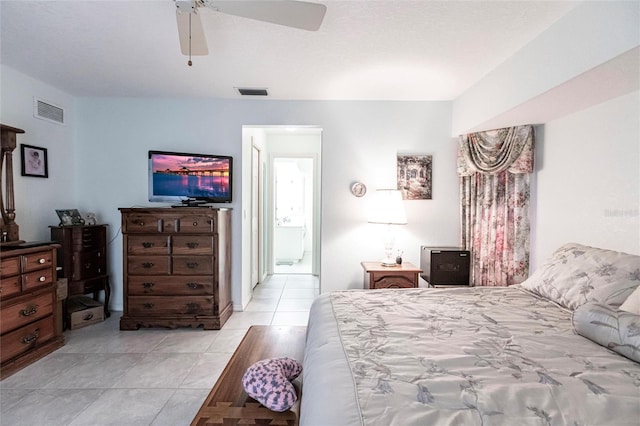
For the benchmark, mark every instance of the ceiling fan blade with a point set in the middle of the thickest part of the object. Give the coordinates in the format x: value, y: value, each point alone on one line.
x: 189, y: 25
x: 297, y: 14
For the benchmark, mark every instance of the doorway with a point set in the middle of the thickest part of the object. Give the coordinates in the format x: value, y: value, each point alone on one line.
x: 293, y: 211
x: 261, y: 145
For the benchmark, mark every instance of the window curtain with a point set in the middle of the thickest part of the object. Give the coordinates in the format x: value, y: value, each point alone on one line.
x: 494, y: 169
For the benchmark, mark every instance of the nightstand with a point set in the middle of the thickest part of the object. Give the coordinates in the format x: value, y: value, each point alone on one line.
x: 398, y: 276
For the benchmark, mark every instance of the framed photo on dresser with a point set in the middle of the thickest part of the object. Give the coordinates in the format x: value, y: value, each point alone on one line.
x: 69, y: 217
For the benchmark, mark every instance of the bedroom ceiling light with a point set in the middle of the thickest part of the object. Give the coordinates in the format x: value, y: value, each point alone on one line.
x: 387, y: 208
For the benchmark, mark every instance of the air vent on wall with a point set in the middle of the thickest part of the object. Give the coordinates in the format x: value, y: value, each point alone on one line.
x: 245, y: 91
x: 47, y: 111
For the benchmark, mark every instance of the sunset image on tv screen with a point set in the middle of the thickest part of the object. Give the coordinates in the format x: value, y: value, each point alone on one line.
x: 190, y: 176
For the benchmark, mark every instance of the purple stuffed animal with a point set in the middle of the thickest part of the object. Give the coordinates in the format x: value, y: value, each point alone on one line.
x: 269, y: 382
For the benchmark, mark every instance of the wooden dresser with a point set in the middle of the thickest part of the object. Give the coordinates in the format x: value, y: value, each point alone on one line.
x: 27, y: 306
x: 83, y: 259
x: 176, y: 267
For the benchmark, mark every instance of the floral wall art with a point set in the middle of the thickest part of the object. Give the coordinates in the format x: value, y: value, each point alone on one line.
x: 414, y: 176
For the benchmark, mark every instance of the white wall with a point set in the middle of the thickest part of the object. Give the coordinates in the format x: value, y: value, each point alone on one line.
x: 591, y: 34
x: 37, y: 198
x: 360, y: 142
x: 588, y: 179
x: 587, y: 187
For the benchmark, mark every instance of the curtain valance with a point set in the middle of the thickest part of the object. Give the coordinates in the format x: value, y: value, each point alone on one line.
x: 494, y: 151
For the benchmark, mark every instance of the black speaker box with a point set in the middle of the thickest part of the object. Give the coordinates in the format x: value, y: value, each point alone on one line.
x: 442, y: 266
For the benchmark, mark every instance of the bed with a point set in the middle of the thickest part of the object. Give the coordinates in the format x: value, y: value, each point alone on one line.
x: 562, y: 348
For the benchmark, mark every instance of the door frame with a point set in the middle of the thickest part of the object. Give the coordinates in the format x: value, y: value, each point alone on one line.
x: 256, y: 134
x: 271, y: 208
x: 257, y: 267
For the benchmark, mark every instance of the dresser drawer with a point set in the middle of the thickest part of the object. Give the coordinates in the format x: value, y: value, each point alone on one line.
x: 91, y: 285
x: 31, y: 262
x: 25, y: 311
x: 162, y: 305
x: 195, y: 224
x: 88, y: 265
x: 192, y: 244
x: 37, y: 279
x: 142, y: 223
x: 148, y: 244
x: 27, y: 337
x: 9, y: 266
x: 193, y: 265
x: 394, y: 280
x: 148, y: 265
x: 10, y: 286
x: 167, y: 286
x: 88, y: 238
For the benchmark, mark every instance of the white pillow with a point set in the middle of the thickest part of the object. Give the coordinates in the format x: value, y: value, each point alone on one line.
x: 632, y: 304
x: 576, y: 274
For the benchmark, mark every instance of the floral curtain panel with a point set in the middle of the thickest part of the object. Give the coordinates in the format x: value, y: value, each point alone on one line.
x: 494, y: 169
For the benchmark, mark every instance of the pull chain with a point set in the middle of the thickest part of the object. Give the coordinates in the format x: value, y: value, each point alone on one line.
x: 190, y: 63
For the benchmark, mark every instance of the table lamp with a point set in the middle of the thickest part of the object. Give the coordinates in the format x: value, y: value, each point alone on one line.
x: 387, y: 208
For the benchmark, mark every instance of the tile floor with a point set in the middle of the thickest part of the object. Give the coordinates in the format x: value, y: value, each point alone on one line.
x: 104, y: 376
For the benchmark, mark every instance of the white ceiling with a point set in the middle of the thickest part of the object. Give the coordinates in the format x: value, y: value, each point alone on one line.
x: 364, y: 50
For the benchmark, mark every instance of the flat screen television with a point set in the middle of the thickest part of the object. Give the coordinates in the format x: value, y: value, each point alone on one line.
x: 190, y: 179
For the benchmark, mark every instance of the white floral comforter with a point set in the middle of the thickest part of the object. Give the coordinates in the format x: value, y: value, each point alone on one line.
x: 476, y: 356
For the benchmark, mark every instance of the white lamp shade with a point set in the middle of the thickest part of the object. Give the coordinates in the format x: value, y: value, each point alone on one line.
x: 387, y: 207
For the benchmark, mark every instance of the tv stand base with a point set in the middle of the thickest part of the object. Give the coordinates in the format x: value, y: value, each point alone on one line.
x: 191, y: 203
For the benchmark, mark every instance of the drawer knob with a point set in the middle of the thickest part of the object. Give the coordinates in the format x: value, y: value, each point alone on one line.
x: 193, y: 307
x: 42, y: 279
x: 192, y: 244
x: 147, y: 265
x: 147, y: 285
x: 195, y: 223
x: 192, y: 265
x: 193, y: 285
x: 147, y: 305
x: 88, y: 316
x: 42, y: 260
x: 141, y: 223
x: 147, y: 244
x: 30, y: 338
x: 30, y: 310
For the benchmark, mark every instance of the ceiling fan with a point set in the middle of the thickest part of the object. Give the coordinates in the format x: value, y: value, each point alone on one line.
x: 297, y: 14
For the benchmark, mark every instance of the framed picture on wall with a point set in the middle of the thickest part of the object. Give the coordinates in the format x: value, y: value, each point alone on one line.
x: 414, y: 176
x: 34, y: 161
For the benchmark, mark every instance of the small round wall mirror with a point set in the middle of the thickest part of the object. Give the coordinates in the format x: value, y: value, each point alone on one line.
x: 358, y: 189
